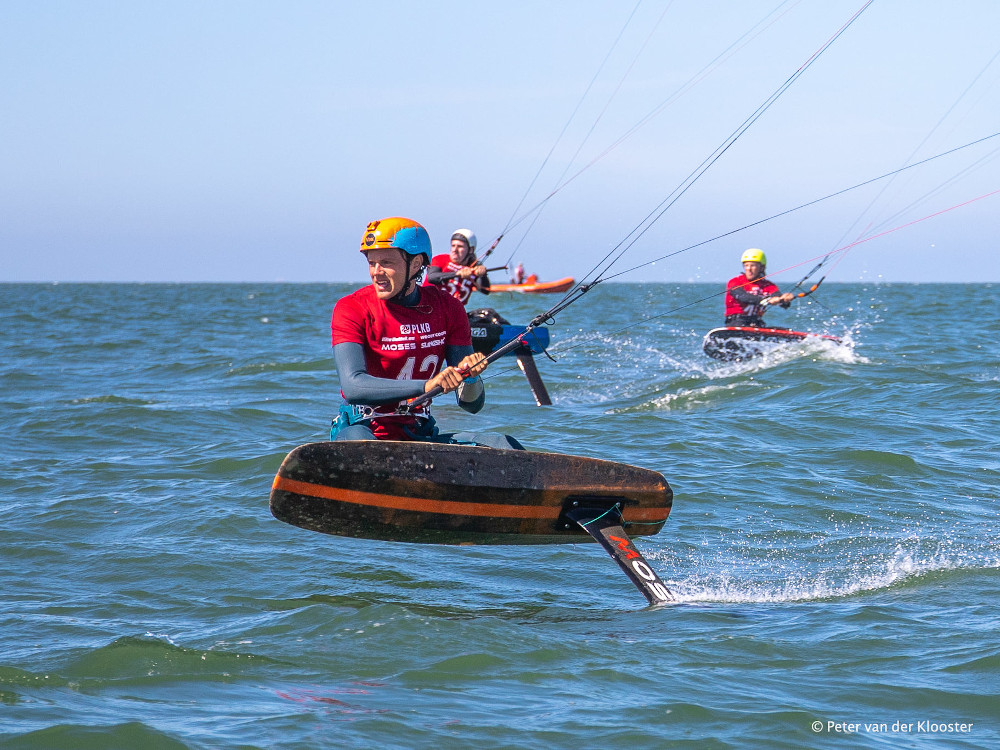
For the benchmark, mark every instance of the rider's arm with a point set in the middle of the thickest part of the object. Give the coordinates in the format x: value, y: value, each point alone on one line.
x: 434, y: 274
x: 483, y: 283
x: 744, y: 297
x: 777, y: 298
x: 471, y: 394
x: 361, y: 388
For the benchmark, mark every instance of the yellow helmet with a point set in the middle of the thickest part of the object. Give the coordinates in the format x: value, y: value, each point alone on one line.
x: 400, y: 233
x: 754, y: 255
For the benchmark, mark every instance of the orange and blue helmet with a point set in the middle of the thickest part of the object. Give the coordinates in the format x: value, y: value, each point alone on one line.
x: 400, y: 233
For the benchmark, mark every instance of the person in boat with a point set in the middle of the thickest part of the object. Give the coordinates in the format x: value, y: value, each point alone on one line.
x: 394, y: 340
x: 457, y: 272
x: 518, y: 277
x: 750, y: 294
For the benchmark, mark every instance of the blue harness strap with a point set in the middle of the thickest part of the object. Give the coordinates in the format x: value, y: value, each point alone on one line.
x: 426, y: 429
x: 350, y: 414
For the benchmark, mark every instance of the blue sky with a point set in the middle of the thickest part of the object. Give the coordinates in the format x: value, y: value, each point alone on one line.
x: 252, y: 141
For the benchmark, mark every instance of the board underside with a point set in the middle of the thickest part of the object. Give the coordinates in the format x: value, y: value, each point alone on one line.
x: 458, y: 494
x: 738, y: 342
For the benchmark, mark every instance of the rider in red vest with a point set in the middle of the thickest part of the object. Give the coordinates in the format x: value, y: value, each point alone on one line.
x: 750, y: 294
x: 394, y: 340
x: 457, y: 272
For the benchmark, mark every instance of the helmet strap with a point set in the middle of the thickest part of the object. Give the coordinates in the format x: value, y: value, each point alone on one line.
x: 399, y: 296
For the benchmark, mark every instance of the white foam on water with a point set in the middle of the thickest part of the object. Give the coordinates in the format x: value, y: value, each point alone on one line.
x: 866, y: 577
x: 161, y: 637
x: 688, y: 397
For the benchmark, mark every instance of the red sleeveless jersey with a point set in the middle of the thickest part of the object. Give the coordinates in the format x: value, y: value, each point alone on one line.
x: 404, y: 343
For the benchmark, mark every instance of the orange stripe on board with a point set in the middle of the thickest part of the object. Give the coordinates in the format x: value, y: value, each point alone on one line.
x: 449, y: 507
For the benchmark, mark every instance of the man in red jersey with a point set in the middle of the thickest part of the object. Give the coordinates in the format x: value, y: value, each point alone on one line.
x: 457, y: 272
x: 750, y: 294
x: 395, y: 340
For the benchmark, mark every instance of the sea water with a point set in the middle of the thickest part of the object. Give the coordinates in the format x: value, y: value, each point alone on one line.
x: 833, y: 545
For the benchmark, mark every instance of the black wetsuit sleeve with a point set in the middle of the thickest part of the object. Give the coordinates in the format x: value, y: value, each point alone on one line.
x: 434, y: 274
x: 361, y: 388
x: 744, y: 297
x: 454, y: 355
x: 483, y: 284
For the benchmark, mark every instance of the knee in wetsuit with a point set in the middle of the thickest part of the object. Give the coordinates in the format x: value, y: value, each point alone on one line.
x: 353, y: 432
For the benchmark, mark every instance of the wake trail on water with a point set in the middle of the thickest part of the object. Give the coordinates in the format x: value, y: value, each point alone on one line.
x: 901, y: 568
x: 687, y: 390
x: 625, y: 367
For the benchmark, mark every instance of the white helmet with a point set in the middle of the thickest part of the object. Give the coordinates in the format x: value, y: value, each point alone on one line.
x: 468, y: 236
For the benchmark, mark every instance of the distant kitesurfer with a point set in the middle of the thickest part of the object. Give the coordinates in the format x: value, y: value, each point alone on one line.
x: 395, y: 340
x: 750, y: 294
x: 518, y: 277
x: 461, y: 271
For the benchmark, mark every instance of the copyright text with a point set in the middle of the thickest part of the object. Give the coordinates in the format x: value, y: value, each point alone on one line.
x: 896, y: 727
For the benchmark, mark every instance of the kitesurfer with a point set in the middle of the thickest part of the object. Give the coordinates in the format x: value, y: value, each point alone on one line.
x: 458, y: 272
x: 750, y: 294
x: 518, y: 275
x: 394, y: 340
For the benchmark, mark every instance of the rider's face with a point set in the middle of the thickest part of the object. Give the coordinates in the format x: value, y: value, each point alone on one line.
x: 458, y: 251
x: 752, y: 269
x: 388, y: 270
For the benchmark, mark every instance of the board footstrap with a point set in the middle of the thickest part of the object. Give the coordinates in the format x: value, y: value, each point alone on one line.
x: 605, y: 526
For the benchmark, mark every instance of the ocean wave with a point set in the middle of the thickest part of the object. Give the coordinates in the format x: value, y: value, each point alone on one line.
x: 685, y: 399
x: 258, y: 368
x: 112, y: 399
x: 156, y: 657
x: 129, y: 734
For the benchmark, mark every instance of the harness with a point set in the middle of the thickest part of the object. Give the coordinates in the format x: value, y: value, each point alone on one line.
x: 351, y: 414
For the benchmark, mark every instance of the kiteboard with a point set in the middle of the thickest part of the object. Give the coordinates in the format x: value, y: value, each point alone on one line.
x: 412, y: 491
x: 532, y: 285
x: 736, y: 343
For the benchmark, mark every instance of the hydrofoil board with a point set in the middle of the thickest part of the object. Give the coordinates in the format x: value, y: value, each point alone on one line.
x: 735, y: 343
x: 461, y: 494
